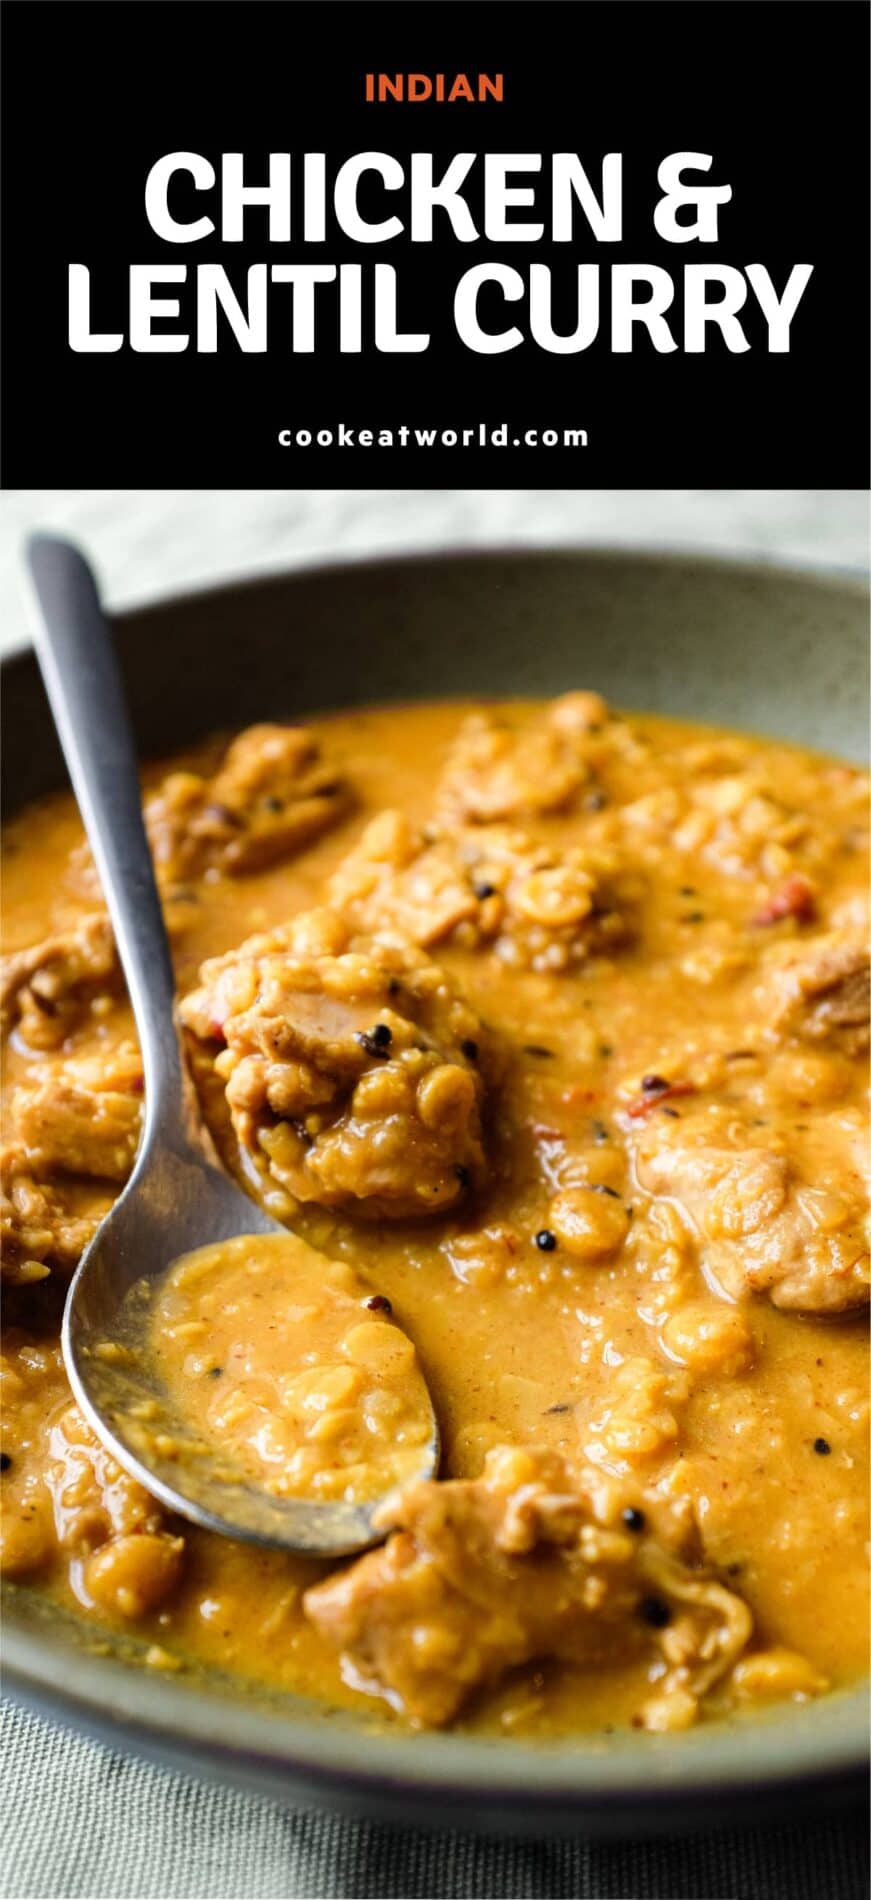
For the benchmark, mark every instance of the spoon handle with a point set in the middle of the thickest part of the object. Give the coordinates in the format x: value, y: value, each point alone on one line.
x: 83, y: 682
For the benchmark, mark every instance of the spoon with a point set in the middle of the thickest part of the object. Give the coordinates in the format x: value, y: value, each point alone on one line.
x: 177, y: 1198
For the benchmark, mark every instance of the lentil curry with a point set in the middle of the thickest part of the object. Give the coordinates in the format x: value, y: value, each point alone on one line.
x: 284, y: 1364
x: 546, y: 1026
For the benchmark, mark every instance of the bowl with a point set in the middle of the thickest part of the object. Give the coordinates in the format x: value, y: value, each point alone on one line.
x: 758, y: 647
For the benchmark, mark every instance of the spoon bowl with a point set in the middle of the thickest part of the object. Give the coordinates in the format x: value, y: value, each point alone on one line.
x: 177, y: 1199
x: 172, y: 1205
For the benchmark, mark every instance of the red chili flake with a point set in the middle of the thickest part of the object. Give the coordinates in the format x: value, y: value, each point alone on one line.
x: 796, y: 898
x: 574, y: 1095
x: 216, y: 1030
x: 654, y: 1097
x: 136, y: 1084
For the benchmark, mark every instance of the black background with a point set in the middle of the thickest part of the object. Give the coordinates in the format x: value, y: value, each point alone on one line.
x: 776, y: 90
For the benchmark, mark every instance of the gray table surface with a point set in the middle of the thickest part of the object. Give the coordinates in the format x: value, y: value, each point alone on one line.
x: 81, y: 1822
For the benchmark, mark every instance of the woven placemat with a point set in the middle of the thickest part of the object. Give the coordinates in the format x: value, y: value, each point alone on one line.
x: 82, y: 1822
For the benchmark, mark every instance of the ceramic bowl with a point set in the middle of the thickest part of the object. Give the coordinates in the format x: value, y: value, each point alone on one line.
x: 757, y: 647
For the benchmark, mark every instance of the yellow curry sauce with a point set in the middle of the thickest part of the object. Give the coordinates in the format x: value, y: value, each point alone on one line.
x: 290, y: 1369
x: 550, y: 1023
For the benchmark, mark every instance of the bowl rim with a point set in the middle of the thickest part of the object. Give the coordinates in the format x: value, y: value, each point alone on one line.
x: 164, y: 1716
x: 849, y: 577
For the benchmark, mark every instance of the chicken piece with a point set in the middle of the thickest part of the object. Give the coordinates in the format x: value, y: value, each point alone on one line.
x: 766, y: 1220
x: 747, y: 819
x: 47, y: 991
x: 83, y: 1117
x: 537, y: 908
x: 497, y: 769
x: 37, y: 1229
x: 65, y: 1497
x: 398, y: 878
x: 739, y: 823
x: 273, y: 793
x: 80, y: 1118
x: 354, y: 1072
x: 92, y: 1496
x: 72, y: 1129
x: 533, y: 1560
x: 820, y: 992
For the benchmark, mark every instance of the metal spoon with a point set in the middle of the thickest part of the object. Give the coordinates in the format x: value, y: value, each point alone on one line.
x: 177, y: 1199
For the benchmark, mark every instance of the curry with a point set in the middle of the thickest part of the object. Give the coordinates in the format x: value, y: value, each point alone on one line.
x: 290, y: 1369
x: 545, y: 1027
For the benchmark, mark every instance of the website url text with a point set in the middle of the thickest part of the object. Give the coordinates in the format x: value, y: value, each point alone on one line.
x: 481, y: 435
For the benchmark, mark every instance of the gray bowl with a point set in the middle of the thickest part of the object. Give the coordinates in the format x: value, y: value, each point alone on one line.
x: 756, y: 647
